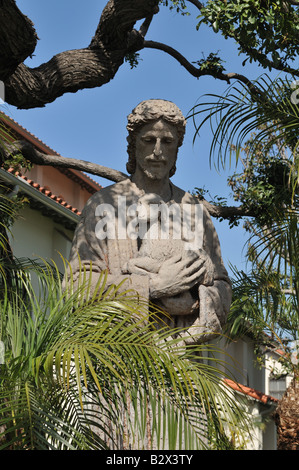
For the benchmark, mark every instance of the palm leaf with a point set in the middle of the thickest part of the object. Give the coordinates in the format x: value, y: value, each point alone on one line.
x: 239, y: 113
x: 104, y: 348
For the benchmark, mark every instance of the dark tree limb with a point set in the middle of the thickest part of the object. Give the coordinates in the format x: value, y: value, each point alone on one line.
x: 36, y: 157
x: 196, y: 3
x: 67, y: 72
x: 198, y: 72
x: 145, y: 25
x: 17, y: 38
x: 254, y: 90
x: 90, y: 67
x: 226, y: 212
x: 194, y: 71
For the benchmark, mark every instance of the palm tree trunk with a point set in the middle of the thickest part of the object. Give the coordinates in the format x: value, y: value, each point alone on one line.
x: 287, y: 418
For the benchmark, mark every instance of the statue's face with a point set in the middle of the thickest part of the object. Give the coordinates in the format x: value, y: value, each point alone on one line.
x: 156, y: 149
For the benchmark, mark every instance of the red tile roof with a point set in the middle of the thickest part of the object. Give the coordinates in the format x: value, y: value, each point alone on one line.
x: 46, y: 191
x: 251, y: 392
x: 72, y: 174
x: 75, y: 175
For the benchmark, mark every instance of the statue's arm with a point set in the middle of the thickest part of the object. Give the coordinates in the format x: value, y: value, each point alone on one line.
x: 215, y: 300
x: 89, y: 255
x: 207, y: 277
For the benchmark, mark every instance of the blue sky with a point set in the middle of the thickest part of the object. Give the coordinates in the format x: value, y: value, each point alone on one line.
x: 91, y: 124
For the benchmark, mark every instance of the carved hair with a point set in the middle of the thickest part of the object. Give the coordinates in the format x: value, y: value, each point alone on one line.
x: 149, y: 111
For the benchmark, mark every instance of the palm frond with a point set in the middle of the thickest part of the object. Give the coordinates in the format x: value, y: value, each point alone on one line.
x: 115, y: 359
x: 238, y: 114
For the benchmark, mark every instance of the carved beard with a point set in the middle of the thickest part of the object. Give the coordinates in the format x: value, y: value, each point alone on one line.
x: 153, y: 174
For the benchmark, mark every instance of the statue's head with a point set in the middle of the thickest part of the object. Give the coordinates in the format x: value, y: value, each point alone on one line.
x: 150, y: 111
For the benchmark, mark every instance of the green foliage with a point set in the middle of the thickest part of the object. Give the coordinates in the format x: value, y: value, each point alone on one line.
x: 265, y: 308
x: 178, y: 5
x: 264, y: 185
x: 212, y: 64
x: 266, y: 31
x: 259, y: 123
x: 268, y: 108
x: 14, y: 159
x: 133, y: 59
x: 266, y: 299
x: 82, y: 366
x: 268, y: 181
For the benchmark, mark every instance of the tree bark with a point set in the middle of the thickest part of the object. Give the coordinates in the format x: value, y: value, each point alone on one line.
x: 73, y: 70
x: 89, y: 67
x: 17, y: 38
x: 36, y: 157
x: 287, y: 418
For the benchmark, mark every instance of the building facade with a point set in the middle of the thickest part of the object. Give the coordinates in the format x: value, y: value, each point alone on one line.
x: 55, y: 198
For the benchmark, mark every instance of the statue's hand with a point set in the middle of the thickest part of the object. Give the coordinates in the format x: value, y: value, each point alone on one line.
x: 143, y: 265
x: 182, y: 304
x: 178, y: 274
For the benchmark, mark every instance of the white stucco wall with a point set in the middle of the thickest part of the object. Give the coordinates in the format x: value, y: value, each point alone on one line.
x: 37, y: 236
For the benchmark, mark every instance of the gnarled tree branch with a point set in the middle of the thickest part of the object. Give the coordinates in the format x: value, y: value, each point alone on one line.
x: 198, y: 72
x: 17, y: 38
x: 196, y: 3
x: 35, y: 156
x: 90, y: 67
x: 226, y: 212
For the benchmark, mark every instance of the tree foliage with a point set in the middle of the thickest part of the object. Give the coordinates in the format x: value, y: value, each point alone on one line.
x: 259, y: 137
x: 266, y: 31
x: 266, y: 298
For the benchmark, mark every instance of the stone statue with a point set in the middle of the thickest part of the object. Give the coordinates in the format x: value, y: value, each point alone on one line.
x: 154, y: 236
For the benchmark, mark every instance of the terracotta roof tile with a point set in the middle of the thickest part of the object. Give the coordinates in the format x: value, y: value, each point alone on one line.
x: 46, y: 191
x: 251, y: 392
x: 73, y: 174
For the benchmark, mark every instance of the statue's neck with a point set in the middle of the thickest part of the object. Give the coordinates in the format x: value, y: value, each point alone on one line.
x: 150, y: 185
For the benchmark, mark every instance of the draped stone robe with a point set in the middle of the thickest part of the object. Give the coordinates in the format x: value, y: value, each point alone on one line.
x: 202, y: 311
